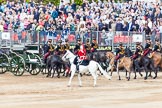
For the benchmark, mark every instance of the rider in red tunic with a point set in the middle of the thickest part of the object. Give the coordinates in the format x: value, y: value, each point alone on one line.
x: 81, y: 56
x: 82, y: 53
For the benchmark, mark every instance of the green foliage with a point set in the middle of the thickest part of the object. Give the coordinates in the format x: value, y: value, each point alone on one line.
x: 55, y: 2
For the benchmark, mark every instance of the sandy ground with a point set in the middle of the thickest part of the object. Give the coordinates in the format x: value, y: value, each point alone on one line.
x: 40, y: 92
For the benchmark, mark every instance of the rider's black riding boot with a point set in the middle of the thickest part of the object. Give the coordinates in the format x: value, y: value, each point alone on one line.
x: 45, y: 61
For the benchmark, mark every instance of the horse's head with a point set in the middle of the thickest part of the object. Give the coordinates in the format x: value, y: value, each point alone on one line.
x: 109, y: 55
x: 128, y: 52
x: 68, y: 55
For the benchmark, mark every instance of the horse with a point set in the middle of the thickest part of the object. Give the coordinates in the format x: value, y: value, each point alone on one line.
x: 157, y: 61
x: 99, y: 57
x: 92, y: 67
x: 128, y: 52
x: 124, y: 62
x: 55, y: 63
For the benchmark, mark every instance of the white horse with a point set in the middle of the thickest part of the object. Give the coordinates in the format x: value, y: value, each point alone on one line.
x: 92, y: 68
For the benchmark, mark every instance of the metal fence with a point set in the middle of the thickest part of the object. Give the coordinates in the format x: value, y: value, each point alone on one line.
x: 106, y: 40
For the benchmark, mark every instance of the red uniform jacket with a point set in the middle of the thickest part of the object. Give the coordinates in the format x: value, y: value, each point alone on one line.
x: 82, y: 54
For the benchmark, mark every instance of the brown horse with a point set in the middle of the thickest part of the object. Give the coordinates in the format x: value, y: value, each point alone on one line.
x: 157, y: 60
x: 124, y: 62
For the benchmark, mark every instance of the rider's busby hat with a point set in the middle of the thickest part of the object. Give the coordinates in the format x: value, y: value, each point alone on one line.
x: 87, y: 40
x: 120, y: 44
x: 60, y: 41
x: 157, y: 40
x: 94, y: 38
x: 78, y: 39
x: 49, y: 40
x: 148, y: 38
x: 66, y: 40
x: 138, y: 43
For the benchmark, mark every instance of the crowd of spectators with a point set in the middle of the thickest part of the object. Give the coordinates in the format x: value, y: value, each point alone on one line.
x: 103, y: 16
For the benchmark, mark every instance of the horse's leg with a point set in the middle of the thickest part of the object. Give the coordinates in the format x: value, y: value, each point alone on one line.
x: 156, y: 71
x: 59, y: 71
x: 49, y: 71
x: 79, y: 78
x: 118, y: 72
x: 126, y: 73
x: 146, y: 70
x: 94, y: 75
x: 150, y: 74
x: 128, y: 69
x: 54, y: 69
x: 137, y: 68
x: 72, y: 75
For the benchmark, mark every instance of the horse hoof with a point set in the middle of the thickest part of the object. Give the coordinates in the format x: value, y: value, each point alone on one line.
x: 134, y: 77
x: 68, y: 85
x: 154, y: 77
x: 145, y: 78
x: 58, y: 76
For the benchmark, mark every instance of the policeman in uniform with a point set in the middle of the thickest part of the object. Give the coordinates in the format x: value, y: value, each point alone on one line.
x: 138, y: 51
x: 88, y: 46
x: 120, y: 53
x: 148, y: 47
x: 77, y: 46
x: 66, y: 45
x: 94, y: 45
x: 157, y: 48
x: 59, y: 48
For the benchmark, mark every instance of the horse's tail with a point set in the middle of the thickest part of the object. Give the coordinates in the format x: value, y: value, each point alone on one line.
x: 103, y: 72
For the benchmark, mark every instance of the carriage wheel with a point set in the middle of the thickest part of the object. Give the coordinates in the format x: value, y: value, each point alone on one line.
x: 17, y: 65
x: 4, y: 63
x: 36, y: 67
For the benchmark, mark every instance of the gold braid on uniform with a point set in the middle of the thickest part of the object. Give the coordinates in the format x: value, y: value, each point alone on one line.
x: 67, y: 47
x: 61, y: 48
x: 51, y: 47
x: 151, y: 46
x: 122, y: 51
x: 96, y: 45
x: 88, y: 47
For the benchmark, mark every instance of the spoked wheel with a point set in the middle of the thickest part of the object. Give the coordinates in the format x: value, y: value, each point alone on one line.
x: 4, y: 63
x: 17, y: 65
x: 35, y: 67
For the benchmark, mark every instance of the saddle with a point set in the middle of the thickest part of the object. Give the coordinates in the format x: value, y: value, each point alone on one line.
x: 82, y: 62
